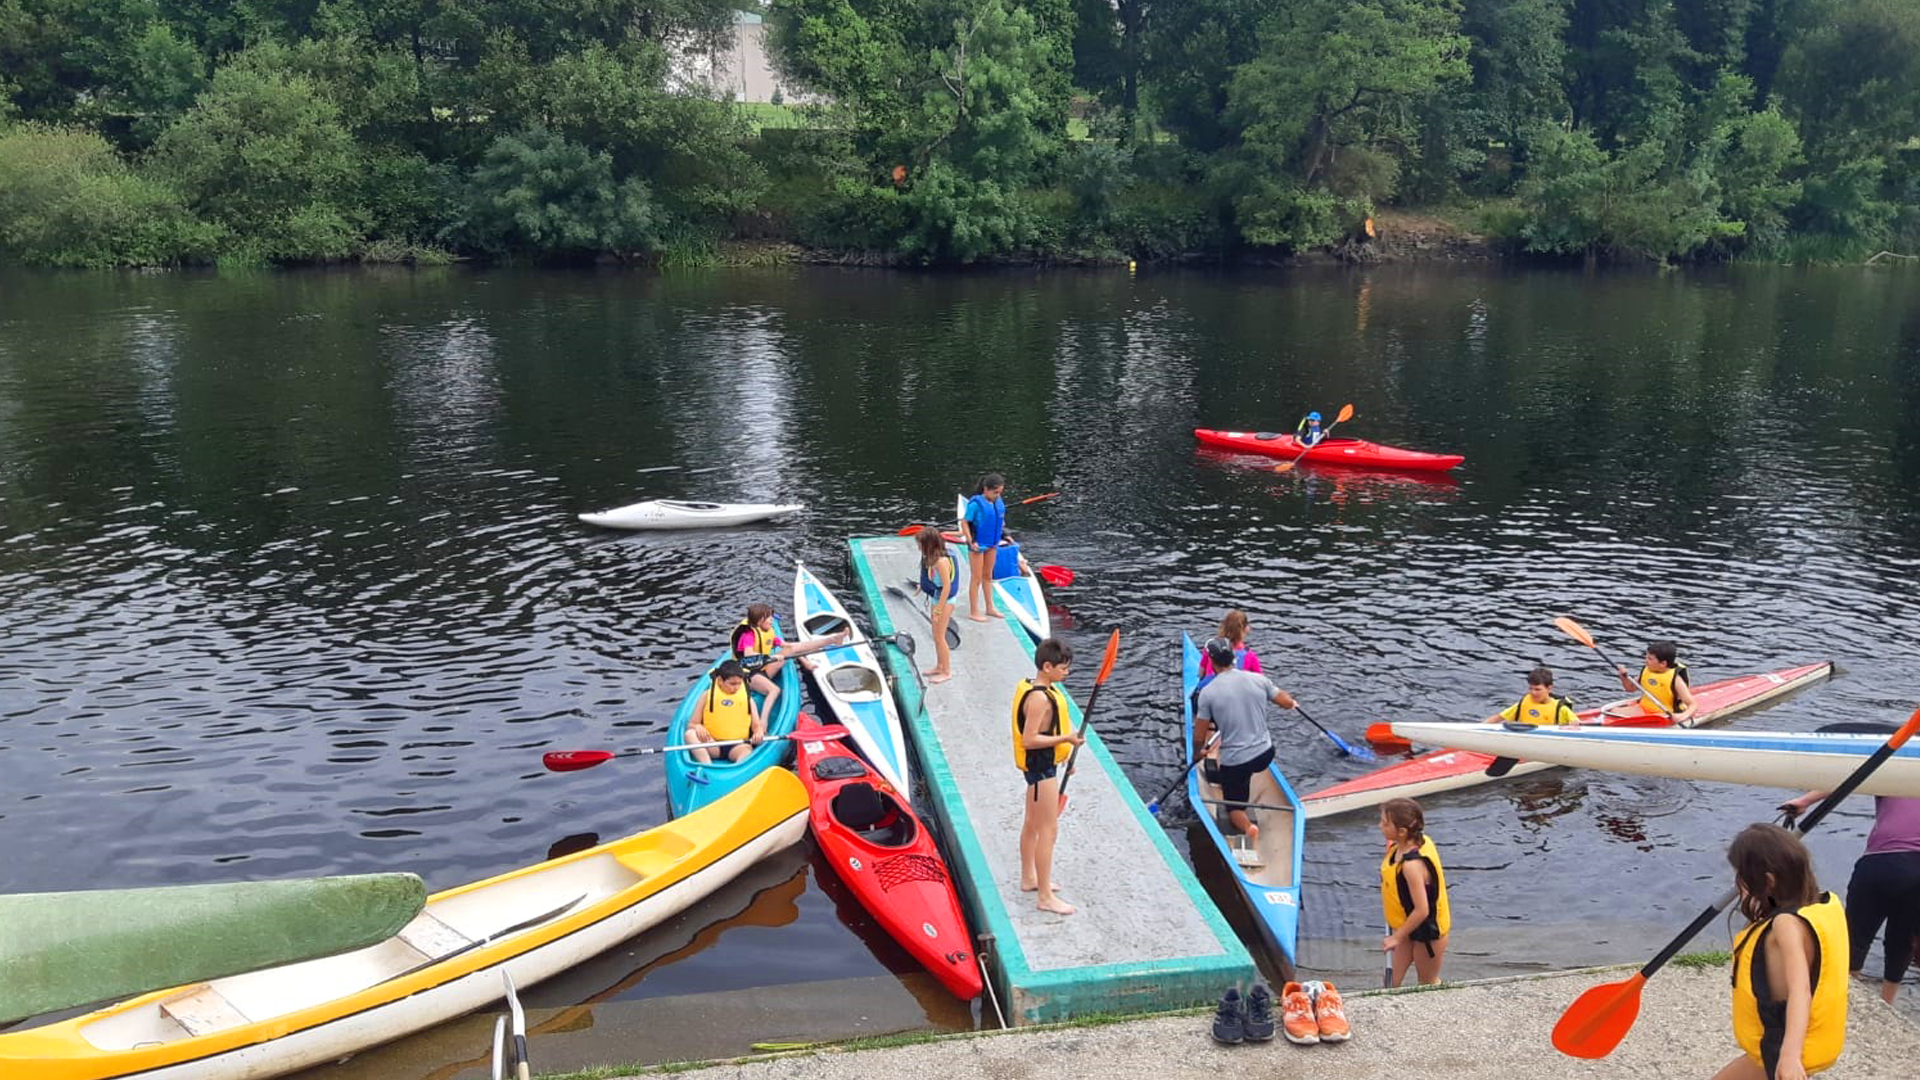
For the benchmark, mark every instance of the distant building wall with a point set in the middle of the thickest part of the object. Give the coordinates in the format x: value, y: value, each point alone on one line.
x: 738, y: 67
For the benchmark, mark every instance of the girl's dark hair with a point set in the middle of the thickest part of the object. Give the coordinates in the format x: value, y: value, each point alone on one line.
x: 1761, y: 850
x: 1541, y: 675
x: 756, y: 612
x: 931, y: 546
x: 729, y: 669
x: 1234, y: 626
x: 989, y: 482
x: 1664, y: 651
x: 1406, y: 814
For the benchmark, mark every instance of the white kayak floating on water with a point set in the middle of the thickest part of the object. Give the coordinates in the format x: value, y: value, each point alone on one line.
x: 1796, y: 761
x: 675, y: 514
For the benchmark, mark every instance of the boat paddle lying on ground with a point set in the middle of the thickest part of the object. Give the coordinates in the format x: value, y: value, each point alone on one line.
x: 1793, y: 760
x: 530, y: 924
x: 1016, y: 591
x: 692, y: 784
x: 875, y: 843
x: 675, y: 514
x: 850, y: 680
x: 1448, y: 770
x: 1267, y: 872
x: 1332, y: 450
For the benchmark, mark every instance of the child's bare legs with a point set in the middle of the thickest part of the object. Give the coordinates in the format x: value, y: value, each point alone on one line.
x: 698, y: 734
x: 1428, y: 967
x: 1037, y: 834
x: 981, y: 578
x: 942, y: 656
x: 1741, y: 1068
x: 762, y: 683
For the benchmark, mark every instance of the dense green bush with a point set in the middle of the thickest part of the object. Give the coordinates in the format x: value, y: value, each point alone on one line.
x: 537, y: 195
x: 66, y: 199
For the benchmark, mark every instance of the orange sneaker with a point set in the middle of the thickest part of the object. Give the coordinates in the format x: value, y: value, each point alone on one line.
x: 1332, y: 1016
x: 1296, y: 1015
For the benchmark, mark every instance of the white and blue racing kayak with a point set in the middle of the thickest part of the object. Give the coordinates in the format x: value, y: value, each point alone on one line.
x: 1797, y: 761
x: 678, y: 514
x: 850, y: 679
x: 1268, y: 870
x: 1019, y: 595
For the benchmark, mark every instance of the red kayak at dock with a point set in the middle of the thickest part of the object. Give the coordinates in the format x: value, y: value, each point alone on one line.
x: 882, y: 851
x: 1328, y: 451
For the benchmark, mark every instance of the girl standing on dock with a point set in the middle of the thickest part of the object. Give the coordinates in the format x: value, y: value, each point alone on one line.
x: 940, y: 580
x: 985, y: 526
x: 1789, y: 964
x: 1413, y: 889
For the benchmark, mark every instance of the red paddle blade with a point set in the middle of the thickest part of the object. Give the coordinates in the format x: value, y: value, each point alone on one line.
x: 1055, y: 575
x: 909, y: 530
x: 1381, y: 736
x: 574, y: 760
x: 1598, y: 1019
x: 1040, y: 498
x: 1574, y: 630
x: 1113, y: 653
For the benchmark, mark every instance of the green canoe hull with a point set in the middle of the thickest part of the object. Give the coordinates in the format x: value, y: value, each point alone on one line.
x: 62, y: 949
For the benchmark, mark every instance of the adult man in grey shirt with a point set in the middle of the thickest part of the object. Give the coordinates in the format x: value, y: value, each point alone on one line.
x: 1235, y: 703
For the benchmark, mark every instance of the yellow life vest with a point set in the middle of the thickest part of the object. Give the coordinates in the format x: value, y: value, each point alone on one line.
x: 1439, y: 916
x: 1062, y: 724
x: 1557, y: 710
x: 1827, y: 1016
x: 727, y: 716
x: 1658, y: 687
x: 763, y: 643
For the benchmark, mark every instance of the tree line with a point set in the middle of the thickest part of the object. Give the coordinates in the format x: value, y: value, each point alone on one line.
x: 158, y: 132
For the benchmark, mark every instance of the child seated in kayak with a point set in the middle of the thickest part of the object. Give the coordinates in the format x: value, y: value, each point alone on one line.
x: 1663, y: 682
x: 1789, y: 964
x: 726, y: 715
x: 763, y: 653
x: 1308, y: 432
x: 1234, y: 628
x: 1540, y: 706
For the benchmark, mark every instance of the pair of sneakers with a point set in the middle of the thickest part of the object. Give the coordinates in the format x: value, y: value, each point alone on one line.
x: 1247, y: 1018
x: 1312, y: 1012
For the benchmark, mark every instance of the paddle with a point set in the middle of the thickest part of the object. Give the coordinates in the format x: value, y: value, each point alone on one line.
x: 1346, y: 413
x: 953, y: 632
x: 1380, y: 735
x: 576, y: 760
x: 1086, y: 714
x: 1040, y: 498
x: 1056, y: 575
x: 1154, y: 806
x: 1360, y: 752
x: 1579, y: 634
x: 1598, y: 1019
x: 522, y: 1065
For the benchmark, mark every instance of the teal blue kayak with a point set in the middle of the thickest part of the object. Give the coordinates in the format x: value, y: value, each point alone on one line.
x: 691, y: 785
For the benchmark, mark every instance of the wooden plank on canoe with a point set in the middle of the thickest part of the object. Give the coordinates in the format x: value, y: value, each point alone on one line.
x: 58, y: 950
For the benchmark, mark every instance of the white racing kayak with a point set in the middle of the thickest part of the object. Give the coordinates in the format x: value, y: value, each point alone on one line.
x: 675, y: 514
x: 1796, y: 761
x: 850, y: 680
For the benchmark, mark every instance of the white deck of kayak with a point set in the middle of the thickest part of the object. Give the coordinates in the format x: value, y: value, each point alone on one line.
x: 1146, y: 936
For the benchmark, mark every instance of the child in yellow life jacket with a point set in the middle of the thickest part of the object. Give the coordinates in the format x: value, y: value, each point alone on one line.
x: 1413, y: 890
x: 1663, y: 684
x: 726, y: 715
x: 1043, y: 740
x: 1540, y: 706
x: 758, y: 648
x: 1789, y: 964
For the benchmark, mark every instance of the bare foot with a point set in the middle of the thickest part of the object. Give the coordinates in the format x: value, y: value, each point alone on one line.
x: 1036, y: 888
x: 939, y: 676
x: 980, y: 618
x: 1056, y: 905
x: 993, y: 615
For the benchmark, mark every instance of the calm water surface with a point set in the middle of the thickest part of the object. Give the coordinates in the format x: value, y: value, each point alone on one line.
x: 290, y: 581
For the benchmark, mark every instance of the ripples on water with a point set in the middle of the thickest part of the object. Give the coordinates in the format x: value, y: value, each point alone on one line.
x: 292, y: 585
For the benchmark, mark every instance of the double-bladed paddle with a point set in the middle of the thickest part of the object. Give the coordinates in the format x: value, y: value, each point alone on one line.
x: 1086, y: 714
x: 1040, y: 498
x: 1346, y: 413
x: 1346, y: 748
x: 953, y: 632
x: 1579, y: 633
x: 1598, y: 1019
x: 576, y: 760
x: 1154, y: 806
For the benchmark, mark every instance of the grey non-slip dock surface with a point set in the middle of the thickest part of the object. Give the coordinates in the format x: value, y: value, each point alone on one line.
x: 1145, y: 930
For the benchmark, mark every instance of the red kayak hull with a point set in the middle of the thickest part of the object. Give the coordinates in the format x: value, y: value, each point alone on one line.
x: 1330, y: 451
x: 893, y: 868
x: 1449, y: 770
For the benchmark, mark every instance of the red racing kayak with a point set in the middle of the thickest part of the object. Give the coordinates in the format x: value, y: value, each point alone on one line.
x: 1447, y: 770
x: 886, y: 857
x: 1329, y: 451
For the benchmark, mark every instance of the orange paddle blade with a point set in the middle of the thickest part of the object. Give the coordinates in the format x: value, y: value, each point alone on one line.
x: 1113, y: 653
x: 1346, y: 413
x: 1381, y: 735
x: 1598, y: 1019
x: 1574, y: 630
x: 1040, y: 498
x: 1285, y: 466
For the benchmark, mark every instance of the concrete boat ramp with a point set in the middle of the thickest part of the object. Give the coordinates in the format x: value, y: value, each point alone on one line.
x: 1146, y: 937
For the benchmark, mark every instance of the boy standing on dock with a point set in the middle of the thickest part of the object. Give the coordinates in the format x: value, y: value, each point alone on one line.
x: 1043, y: 739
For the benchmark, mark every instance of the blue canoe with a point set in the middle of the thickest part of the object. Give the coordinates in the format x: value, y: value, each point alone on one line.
x: 691, y: 785
x: 1268, y: 872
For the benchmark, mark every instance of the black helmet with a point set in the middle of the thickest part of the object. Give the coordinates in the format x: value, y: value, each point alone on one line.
x: 1221, y: 650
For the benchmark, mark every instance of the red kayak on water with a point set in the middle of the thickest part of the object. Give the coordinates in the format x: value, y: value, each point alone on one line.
x: 1328, y: 451
x: 886, y: 857
x: 1447, y: 770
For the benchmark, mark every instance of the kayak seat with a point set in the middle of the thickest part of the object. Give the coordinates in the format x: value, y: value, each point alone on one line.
x: 857, y: 806
x: 849, y: 680
x: 203, y: 1011
x: 826, y: 623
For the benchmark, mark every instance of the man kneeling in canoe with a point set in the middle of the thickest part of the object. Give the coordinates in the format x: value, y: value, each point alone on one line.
x: 1235, y: 702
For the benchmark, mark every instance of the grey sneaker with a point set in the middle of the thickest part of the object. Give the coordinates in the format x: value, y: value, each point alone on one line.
x: 1259, y: 1022
x: 1230, y: 1023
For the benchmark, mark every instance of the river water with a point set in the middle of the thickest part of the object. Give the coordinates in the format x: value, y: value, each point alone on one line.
x: 291, y: 584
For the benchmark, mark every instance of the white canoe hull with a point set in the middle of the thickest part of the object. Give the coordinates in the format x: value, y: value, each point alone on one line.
x: 851, y: 682
x: 675, y: 514
x: 1790, y: 760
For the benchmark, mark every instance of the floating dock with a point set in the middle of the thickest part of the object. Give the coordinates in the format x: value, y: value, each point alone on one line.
x: 1146, y: 936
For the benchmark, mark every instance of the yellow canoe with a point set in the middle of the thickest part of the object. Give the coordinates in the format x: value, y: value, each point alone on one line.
x: 531, y: 923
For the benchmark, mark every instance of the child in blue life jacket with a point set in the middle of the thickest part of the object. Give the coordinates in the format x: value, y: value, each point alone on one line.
x: 985, y: 525
x: 1308, y: 431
